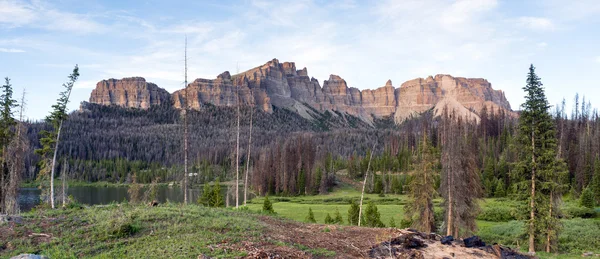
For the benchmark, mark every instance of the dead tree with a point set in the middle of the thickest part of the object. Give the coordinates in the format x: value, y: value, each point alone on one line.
x: 362, y: 195
x: 185, y: 131
x: 249, y: 148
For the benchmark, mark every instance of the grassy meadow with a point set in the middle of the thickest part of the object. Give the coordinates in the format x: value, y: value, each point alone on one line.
x: 496, y: 223
x: 123, y: 230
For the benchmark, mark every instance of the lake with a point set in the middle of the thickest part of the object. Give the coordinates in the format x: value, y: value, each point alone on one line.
x: 93, y: 195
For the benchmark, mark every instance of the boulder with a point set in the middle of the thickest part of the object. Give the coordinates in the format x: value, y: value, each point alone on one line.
x: 473, y: 241
x: 447, y: 240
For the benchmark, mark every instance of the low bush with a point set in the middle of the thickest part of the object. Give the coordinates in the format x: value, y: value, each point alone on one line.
x: 510, y: 233
x: 571, y: 211
x: 120, y: 226
x: 579, y: 235
x: 497, y: 214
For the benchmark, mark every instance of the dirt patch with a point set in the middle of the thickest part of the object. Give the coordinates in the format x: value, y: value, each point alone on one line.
x: 298, y: 240
x: 289, y: 239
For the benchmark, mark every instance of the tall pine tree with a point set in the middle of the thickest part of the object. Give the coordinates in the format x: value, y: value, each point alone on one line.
x: 7, y: 123
x: 538, y: 172
x: 419, y: 211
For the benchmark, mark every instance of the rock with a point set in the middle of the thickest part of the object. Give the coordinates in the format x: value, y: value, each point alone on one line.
x: 133, y: 92
x: 447, y: 240
x: 282, y: 85
x: 419, y: 95
x: 29, y: 256
x: 153, y: 203
x: 587, y: 254
x: 10, y: 218
x: 473, y: 241
x: 410, y: 244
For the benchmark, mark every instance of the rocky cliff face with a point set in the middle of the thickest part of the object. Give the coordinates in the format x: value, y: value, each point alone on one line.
x: 282, y: 85
x: 467, y: 96
x: 132, y: 92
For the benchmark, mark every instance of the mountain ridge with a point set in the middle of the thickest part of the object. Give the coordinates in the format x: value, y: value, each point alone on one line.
x: 283, y: 85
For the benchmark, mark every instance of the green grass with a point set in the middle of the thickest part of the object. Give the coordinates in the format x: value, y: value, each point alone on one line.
x: 126, y: 231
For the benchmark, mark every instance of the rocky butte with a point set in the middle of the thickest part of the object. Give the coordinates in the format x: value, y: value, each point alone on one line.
x: 283, y: 85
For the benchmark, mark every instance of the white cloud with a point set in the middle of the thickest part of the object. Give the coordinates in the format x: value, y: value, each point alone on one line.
x: 598, y: 59
x: 536, y: 23
x: 40, y: 15
x: 11, y: 50
x: 14, y: 14
x: 542, y: 44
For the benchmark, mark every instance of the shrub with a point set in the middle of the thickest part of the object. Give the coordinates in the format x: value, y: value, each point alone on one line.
x: 152, y: 192
x: 405, y: 222
x: 579, y: 235
x: 120, y: 225
x: 572, y: 211
x: 134, y: 190
x: 311, y: 217
x: 510, y: 233
x: 73, y: 204
x: 497, y: 214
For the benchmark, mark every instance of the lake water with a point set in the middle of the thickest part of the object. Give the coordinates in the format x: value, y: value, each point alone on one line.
x: 93, y: 195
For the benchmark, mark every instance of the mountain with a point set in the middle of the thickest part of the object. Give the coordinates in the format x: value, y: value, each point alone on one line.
x: 283, y: 85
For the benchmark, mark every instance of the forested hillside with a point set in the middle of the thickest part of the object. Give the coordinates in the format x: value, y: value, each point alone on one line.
x: 108, y: 143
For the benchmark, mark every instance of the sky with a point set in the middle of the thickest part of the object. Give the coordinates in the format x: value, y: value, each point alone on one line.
x: 365, y: 42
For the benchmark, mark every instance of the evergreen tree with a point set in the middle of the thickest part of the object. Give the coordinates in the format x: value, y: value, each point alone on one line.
x: 419, y: 210
x: 268, y: 206
x: 392, y: 222
x: 396, y: 185
x: 353, y: 213
x: 538, y: 171
x: 587, y: 198
x: 372, y: 216
x: 206, y: 197
x: 50, y: 139
x: 595, y: 186
x: 328, y: 219
x: 500, y: 189
x: 217, y: 198
x: 7, y: 123
x: 301, y: 182
x: 311, y: 217
x: 338, y: 217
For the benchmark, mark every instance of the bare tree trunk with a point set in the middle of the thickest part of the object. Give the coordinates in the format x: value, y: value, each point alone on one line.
x: 532, y: 202
x: 185, y: 133
x: 450, y: 226
x: 53, y: 166
x: 64, y: 184
x: 237, y: 152
x: 362, y: 195
x: 248, y: 159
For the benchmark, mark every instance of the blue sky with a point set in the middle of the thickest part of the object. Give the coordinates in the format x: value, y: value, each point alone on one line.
x: 365, y: 42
